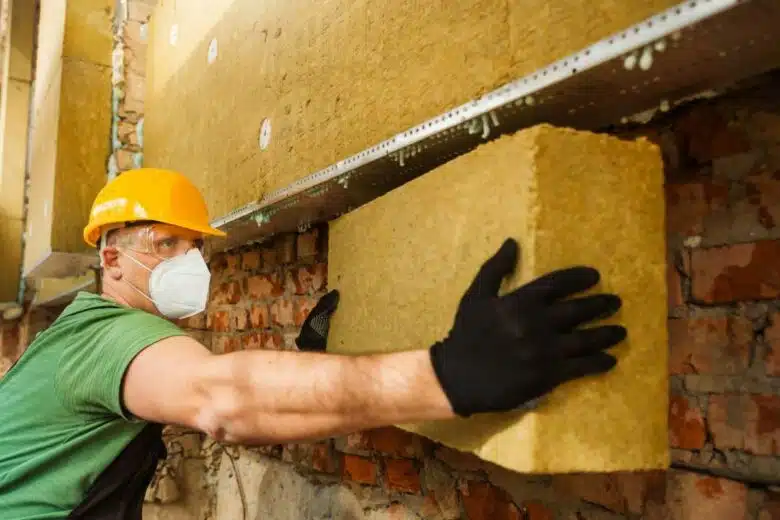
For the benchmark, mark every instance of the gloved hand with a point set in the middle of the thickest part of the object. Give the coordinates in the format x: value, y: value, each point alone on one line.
x: 504, y: 351
x: 314, y: 332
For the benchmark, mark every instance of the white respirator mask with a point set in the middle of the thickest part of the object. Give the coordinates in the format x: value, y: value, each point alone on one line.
x: 178, y: 286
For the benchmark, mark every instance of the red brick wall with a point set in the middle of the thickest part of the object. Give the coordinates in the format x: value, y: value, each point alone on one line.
x: 723, y: 173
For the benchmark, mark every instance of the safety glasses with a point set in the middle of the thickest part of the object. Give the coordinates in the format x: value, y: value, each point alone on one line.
x: 163, y: 241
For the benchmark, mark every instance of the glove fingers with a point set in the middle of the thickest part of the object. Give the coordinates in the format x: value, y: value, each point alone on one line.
x: 327, y: 303
x: 567, y: 314
x: 584, y: 342
x: 488, y: 280
x: 558, y: 284
x: 591, y: 365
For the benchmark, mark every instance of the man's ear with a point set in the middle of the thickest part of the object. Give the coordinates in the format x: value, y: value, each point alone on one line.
x: 109, y: 260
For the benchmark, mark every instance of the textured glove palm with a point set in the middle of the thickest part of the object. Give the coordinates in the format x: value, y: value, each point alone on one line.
x: 314, y: 332
x: 504, y: 351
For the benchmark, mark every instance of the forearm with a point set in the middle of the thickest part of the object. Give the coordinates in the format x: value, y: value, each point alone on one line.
x: 272, y: 396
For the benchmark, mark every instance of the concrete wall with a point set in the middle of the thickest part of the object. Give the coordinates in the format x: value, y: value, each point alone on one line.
x: 335, y: 77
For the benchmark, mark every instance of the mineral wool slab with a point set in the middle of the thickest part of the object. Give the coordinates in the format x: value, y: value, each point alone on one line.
x: 403, y: 261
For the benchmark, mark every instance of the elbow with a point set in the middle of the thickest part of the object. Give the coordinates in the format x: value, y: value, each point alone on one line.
x: 226, y: 416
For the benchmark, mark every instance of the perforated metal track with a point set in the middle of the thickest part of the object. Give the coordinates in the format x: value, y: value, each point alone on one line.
x: 694, y: 47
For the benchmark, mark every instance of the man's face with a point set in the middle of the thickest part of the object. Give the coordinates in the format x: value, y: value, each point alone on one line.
x: 148, y: 245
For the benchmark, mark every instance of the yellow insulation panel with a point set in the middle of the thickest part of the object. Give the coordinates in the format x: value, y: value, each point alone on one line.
x: 335, y: 77
x: 403, y: 261
x: 71, y: 136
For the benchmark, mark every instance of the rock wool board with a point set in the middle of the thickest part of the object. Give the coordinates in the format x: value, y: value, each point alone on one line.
x: 335, y: 77
x: 403, y: 261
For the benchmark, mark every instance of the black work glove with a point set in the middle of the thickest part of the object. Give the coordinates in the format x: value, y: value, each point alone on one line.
x: 504, y: 351
x: 314, y: 332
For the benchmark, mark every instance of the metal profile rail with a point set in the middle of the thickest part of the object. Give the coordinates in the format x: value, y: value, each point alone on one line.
x: 653, y: 65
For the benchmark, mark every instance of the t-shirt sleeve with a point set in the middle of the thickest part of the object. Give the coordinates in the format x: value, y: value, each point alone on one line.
x: 92, y: 369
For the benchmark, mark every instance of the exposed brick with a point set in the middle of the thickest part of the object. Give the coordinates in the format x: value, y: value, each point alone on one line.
x: 258, y: 317
x: 319, y: 276
x: 239, y: 319
x: 772, y: 337
x: 674, y: 288
x: 270, y: 257
x: 125, y: 159
x: 323, y: 459
x: 251, y: 260
x: 302, y: 279
x: 226, y: 293
x: 264, y: 286
x: 253, y: 341
x: 135, y: 47
x: 396, y: 442
x: 703, y: 135
x: 282, y: 313
x: 197, y: 322
x: 273, y: 341
x: 688, y: 205
x: 219, y: 321
x: 689, y: 496
x: 308, y: 243
x: 459, y: 460
x: 709, y: 345
x: 359, y: 469
x: 355, y: 443
x: 285, y: 248
x: 763, y: 199
x: 126, y: 131
x: 135, y: 89
x: 736, y: 273
x: 686, y: 424
x: 770, y: 509
x: 402, y: 475
x: 225, y: 344
x: 599, y: 488
x: 482, y: 501
x: 302, y: 310
x: 537, y: 511
x: 747, y: 422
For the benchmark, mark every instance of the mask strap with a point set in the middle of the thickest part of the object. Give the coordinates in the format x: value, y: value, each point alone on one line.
x: 136, y: 289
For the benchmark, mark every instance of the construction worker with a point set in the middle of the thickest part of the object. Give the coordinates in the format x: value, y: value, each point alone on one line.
x: 81, y: 412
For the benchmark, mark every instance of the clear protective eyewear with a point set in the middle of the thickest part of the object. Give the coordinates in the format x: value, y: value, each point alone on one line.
x: 162, y: 241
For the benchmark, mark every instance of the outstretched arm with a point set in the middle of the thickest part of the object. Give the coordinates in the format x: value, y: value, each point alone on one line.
x: 501, y: 353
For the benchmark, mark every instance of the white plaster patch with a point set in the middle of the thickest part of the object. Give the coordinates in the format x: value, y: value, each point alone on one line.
x: 265, y: 133
x: 213, y: 51
x: 173, y: 37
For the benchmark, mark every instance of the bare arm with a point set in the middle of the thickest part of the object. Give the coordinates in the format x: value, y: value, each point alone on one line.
x: 263, y: 396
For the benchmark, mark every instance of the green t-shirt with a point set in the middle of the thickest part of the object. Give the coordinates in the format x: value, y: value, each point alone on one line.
x: 61, y: 416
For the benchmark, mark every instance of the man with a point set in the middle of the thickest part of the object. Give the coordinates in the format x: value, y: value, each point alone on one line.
x: 81, y: 412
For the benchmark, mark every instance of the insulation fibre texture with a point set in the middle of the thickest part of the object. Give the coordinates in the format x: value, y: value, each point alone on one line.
x: 335, y: 77
x: 403, y: 261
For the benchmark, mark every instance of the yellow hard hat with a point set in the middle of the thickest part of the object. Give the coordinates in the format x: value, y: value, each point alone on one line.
x: 148, y: 194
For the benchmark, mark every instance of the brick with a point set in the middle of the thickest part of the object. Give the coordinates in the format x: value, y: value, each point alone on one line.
x: 772, y: 338
x: 308, y: 244
x: 709, y: 345
x: 273, y: 341
x: 747, y: 422
x: 253, y: 341
x: 323, y: 459
x: 226, y: 293
x: 285, y: 248
x: 689, y: 496
x: 264, y: 286
x: 302, y: 279
x: 301, y: 310
x: 125, y: 159
x: 598, y: 488
x: 225, y: 344
x: 355, y: 443
x: 440, y: 486
x: 763, y: 196
x: 770, y: 509
x: 251, y: 260
x: 135, y: 47
x: 690, y: 204
x: 396, y: 442
x: 259, y: 317
x: 270, y: 257
x: 459, y: 460
x: 537, y: 511
x: 482, y: 501
x: 402, y: 475
x: 319, y: 276
x: 686, y: 424
x: 239, y: 319
x: 126, y: 131
x: 359, y: 469
x: 739, y: 272
x: 674, y: 288
x: 703, y: 135
x: 219, y: 321
x: 282, y: 313
x: 135, y: 92
x: 197, y: 322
